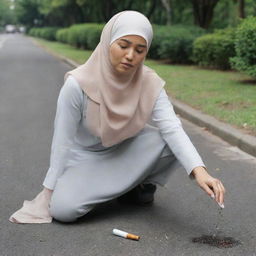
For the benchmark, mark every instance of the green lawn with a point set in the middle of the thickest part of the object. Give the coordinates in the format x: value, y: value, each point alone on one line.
x: 229, y: 96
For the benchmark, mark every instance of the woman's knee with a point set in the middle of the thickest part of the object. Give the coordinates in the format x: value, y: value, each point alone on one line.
x: 66, y: 211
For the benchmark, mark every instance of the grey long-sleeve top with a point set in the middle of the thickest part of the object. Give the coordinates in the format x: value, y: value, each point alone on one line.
x: 71, y: 133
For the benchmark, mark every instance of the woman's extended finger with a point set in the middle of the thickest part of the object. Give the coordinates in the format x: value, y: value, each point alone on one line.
x: 216, y: 189
x: 223, y: 188
x: 208, y: 190
x: 222, y: 192
x: 221, y: 196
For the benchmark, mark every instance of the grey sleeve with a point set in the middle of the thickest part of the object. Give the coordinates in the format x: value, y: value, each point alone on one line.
x: 68, y: 116
x: 172, y: 132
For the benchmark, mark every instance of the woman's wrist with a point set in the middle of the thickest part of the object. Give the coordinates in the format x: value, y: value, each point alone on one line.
x: 47, y: 189
x: 47, y: 192
x: 198, y: 171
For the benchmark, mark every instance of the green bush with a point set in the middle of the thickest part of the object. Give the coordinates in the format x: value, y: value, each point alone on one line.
x: 62, y: 35
x: 245, y: 47
x: 215, y: 50
x: 48, y: 33
x: 159, y: 32
x: 85, y: 36
x: 31, y: 32
x: 93, y: 36
x: 173, y: 42
x: 73, y: 35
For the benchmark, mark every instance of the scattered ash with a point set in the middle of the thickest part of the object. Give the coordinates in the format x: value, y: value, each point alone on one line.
x: 217, y: 241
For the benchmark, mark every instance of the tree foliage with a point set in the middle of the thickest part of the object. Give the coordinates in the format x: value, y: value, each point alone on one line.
x: 205, y: 13
x: 28, y: 13
x: 245, y: 47
x: 6, y: 13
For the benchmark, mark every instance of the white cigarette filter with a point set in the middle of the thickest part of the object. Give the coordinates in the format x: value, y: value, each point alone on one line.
x: 124, y: 234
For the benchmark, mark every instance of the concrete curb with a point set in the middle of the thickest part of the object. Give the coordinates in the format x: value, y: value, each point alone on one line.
x: 225, y: 131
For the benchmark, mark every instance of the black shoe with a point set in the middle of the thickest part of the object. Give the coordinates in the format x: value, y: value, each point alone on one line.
x: 143, y: 194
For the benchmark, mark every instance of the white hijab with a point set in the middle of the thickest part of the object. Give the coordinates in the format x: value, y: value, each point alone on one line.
x: 119, y: 105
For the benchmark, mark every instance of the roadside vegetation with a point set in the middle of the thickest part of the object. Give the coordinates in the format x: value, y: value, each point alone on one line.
x: 227, y: 95
x: 205, y: 50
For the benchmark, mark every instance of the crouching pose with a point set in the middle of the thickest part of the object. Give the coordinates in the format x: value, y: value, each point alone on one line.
x: 104, y: 144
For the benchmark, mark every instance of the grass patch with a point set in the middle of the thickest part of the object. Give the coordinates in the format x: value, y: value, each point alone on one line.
x: 66, y: 50
x: 229, y: 96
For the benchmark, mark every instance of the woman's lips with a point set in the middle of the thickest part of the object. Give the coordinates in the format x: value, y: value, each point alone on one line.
x: 127, y: 65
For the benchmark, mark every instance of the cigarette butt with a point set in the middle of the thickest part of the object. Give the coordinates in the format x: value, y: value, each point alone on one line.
x: 133, y: 237
x: 124, y: 234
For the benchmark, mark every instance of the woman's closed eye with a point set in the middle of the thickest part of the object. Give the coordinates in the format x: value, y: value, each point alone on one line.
x: 139, y: 51
x: 123, y: 46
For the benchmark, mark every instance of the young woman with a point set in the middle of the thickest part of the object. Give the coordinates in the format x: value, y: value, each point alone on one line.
x: 103, y: 145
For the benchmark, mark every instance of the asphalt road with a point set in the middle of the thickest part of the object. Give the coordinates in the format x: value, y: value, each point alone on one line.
x: 30, y: 80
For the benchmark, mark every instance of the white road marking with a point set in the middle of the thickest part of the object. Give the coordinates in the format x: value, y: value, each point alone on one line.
x: 2, y: 41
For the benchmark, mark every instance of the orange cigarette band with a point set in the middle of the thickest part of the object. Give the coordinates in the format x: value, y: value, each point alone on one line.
x: 124, y: 234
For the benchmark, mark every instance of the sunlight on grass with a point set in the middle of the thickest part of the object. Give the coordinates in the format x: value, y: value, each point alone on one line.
x: 228, y: 96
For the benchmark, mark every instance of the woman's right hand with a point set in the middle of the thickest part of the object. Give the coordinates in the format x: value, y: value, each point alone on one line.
x: 212, y: 186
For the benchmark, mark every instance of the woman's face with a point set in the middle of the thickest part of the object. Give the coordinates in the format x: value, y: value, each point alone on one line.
x: 127, y: 53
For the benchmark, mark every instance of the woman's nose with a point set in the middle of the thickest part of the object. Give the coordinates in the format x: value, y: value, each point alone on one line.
x: 130, y: 54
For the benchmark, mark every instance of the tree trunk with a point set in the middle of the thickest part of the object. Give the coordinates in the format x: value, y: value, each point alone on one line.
x: 128, y: 5
x: 166, y: 5
x: 203, y: 12
x: 107, y: 10
x: 151, y: 9
x: 241, y: 12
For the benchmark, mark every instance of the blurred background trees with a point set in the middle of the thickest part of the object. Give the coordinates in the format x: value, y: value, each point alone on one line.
x: 7, y: 15
x: 207, y: 14
x: 216, y: 34
x: 209, y: 33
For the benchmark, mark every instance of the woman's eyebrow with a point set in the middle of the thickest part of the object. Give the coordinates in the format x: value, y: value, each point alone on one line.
x: 129, y: 42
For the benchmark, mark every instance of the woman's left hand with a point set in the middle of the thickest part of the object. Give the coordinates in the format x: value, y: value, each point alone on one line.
x: 212, y: 186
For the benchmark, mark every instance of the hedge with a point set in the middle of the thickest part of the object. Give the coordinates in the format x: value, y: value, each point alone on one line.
x: 48, y: 33
x: 214, y: 50
x: 245, y: 47
x: 174, y: 42
x: 62, y: 35
x: 170, y: 42
x: 85, y: 36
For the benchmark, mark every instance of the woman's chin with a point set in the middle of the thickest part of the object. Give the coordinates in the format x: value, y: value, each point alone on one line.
x: 124, y: 71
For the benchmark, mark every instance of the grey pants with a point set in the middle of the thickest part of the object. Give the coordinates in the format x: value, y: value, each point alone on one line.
x: 111, y: 173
